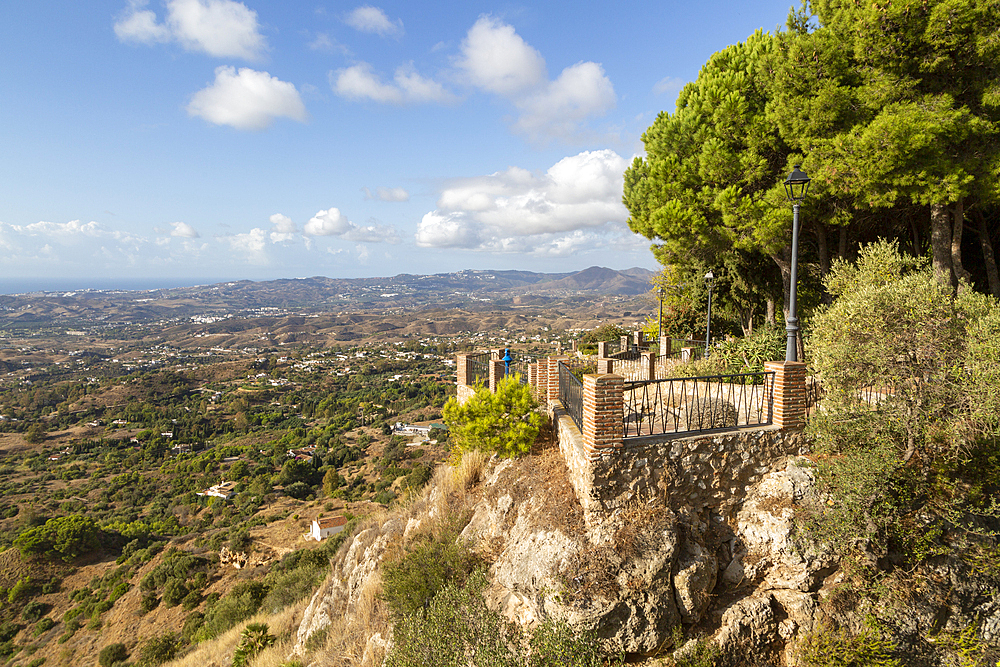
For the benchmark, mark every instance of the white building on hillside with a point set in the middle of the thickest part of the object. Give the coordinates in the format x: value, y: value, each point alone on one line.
x: 324, y: 528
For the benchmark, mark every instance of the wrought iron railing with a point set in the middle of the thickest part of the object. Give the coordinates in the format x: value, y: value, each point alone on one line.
x: 479, y: 368
x: 680, y: 405
x: 571, y: 394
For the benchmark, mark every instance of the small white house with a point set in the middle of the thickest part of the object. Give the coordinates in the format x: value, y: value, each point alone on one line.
x: 324, y: 528
x: 224, y: 490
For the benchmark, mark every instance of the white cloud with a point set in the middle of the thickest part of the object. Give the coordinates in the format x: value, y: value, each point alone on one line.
x: 373, y: 20
x: 61, y: 230
x: 139, y: 25
x: 248, y: 100
x: 518, y: 211
x: 361, y: 82
x: 332, y: 222
x: 326, y: 44
x: 581, y: 92
x: 252, y: 245
x: 496, y: 59
x: 283, y: 228
x: 387, y: 194
x: 221, y: 28
x: 183, y: 230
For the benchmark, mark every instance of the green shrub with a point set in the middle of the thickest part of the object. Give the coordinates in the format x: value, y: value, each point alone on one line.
x: 826, y: 647
x: 43, y: 625
x: 557, y: 644
x: 432, y: 563
x: 242, y: 602
x: 158, y: 650
x: 254, y: 639
x: 34, y: 610
x: 111, y: 654
x: 506, y: 422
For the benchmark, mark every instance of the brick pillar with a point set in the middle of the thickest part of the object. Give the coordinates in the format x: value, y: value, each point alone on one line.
x: 626, y: 343
x: 573, y: 343
x: 602, y: 413
x: 553, y: 385
x: 497, y: 371
x: 789, y: 393
x: 647, y: 365
x: 602, y: 349
x: 664, y: 345
x: 639, y: 338
x: 605, y: 366
x: 687, y: 354
x: 462, y: 366
x: 542, y: 380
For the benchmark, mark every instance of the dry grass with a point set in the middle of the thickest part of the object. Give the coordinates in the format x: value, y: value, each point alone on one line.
x: 218, y: 652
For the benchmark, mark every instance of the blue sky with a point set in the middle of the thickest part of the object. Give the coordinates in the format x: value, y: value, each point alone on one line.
x: 187, y: 141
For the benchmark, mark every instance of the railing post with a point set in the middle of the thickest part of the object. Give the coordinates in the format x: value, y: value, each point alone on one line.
x: 603, y: 402
x: 605, y: 365
x: 553, y: 381
x: 665, y: 345
x: 602, y: 349
x: 789, y: 393
x: 647, y: 365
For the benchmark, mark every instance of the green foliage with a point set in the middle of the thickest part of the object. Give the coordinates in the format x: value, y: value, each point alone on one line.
x: 111, y: 654
x: 557, y: 644
x: 239, y: 604
x: 826, y: 647
x: 159, y: 650
x: 907, y: 371
x: 433, y: 561
x: 64, y: 537
x: 34, y: 610
x: 254, y: 639
x: 506, y: 422
x: 457, y: 629
x: 748, y: 354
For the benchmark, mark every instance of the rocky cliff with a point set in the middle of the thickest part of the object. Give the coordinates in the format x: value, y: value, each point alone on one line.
x: 724, y: 563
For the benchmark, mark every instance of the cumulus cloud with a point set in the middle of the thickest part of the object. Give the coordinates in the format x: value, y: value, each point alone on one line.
x: 520, y: 211
x: 387, y: 194
x: 183, y: 230
x: 409, y: 86
x: 332, y: 222
x: 251, y: 246
x: 561, y: 107
x: 496, y: 59
x: 247, y: 100
x: 373, y: 20
x: 221, y: 28
x: 283, y: 228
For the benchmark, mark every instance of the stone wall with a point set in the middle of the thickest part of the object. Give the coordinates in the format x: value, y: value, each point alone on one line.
x: 688, y: 473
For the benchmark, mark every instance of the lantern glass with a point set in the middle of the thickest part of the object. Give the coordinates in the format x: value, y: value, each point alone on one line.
x: 797, y: 184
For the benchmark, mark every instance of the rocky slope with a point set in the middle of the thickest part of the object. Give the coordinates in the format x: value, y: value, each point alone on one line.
x: 744, y: 580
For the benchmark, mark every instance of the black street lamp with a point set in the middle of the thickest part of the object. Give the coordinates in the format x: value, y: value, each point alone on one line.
x: 709, y: 279
x: 796, y: 187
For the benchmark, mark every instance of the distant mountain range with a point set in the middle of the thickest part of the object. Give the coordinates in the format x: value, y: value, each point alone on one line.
x: 325, y: 295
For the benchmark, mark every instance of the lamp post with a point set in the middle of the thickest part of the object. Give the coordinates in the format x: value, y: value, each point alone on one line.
x: 709, y: 279
x: 506, y: 361
x: 659, y: 333
x: 796, y: 187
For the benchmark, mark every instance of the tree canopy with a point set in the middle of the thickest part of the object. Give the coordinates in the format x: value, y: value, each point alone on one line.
x: 892, y: 108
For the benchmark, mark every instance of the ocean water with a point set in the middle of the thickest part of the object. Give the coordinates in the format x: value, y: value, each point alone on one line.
x: 22, y: 285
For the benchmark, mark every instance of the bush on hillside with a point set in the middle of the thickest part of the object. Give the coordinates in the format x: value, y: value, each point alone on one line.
x: 506, y: 422
x: 111, y: 654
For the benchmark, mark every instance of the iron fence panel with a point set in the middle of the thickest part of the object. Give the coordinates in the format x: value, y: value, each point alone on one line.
x: 683, y: 405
